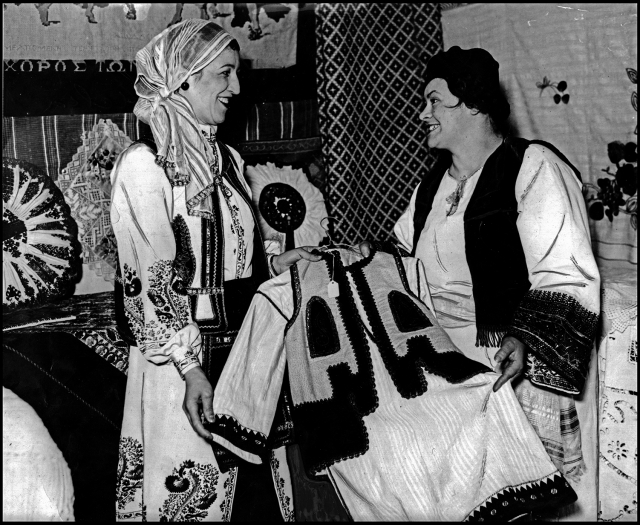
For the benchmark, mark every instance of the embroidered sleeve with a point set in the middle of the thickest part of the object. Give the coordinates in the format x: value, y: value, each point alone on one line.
x: 558, y: 317
x: 141, y: 210
x: 246, y: 396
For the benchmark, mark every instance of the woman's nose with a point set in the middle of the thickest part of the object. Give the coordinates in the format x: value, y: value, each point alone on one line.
x: 234, y: 84
x: 426, y: 113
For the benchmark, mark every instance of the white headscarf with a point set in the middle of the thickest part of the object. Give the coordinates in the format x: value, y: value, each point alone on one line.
x: 163, y: 65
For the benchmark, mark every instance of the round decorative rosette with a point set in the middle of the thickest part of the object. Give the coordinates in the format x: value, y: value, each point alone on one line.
x: 40, y: 250
x: 289, y: 205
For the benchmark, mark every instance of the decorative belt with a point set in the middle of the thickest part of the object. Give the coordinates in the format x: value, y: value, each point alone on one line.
x: 207, y: 290
x: 228, y: 337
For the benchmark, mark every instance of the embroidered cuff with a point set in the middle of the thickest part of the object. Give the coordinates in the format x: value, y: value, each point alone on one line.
x: 184, y: 360
x: 560, y: 333
x: 244, y: 442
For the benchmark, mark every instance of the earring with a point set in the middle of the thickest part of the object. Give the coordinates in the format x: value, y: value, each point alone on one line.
x: 184, y: 86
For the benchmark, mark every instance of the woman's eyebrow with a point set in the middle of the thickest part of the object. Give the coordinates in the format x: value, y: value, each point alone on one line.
x: 431, y: 93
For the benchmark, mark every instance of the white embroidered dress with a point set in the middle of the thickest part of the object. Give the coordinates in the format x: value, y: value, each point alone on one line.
x: 166, y: 470
x: 555, y: 236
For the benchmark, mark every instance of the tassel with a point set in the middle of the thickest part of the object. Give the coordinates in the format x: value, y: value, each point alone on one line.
x: 490, y: 336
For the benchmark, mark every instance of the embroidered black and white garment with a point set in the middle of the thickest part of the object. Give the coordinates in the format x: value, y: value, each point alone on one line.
x: 166, y: 471
x: 558, y: 316
x: 404, y: 425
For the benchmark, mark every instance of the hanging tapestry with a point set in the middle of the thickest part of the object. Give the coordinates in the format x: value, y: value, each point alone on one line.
x: 86, y: 186
x: 371, y: 59
x: 570, y: 73
x: 267, y: 33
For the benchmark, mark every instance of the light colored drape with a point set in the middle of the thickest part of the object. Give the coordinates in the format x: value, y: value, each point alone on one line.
x: 569, y: 71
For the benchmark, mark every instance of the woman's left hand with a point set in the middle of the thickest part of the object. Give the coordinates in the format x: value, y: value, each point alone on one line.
x: 283, y: 261
x: 512, y: 354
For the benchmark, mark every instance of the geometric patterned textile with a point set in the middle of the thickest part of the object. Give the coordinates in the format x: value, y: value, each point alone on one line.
x: 86, y: 186
x: 570, y: 72
x: 51, y: 142
x: 371, y: 60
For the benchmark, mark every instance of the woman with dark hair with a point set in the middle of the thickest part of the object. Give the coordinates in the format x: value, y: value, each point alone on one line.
x: 190, y: 259
x: 501, y: 227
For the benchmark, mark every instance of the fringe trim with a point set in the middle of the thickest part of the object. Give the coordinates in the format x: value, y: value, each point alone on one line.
x: 490, y: 336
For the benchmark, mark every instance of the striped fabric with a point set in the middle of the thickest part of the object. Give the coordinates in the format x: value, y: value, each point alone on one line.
x: 50, y: 142
x: 282, y: 120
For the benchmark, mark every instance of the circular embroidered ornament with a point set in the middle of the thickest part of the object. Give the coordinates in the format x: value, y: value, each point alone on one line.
x: 288, y: 204
x: 40, y: 251
x: 282, y: 207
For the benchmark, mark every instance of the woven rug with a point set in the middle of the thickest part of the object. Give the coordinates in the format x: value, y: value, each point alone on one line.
x: 371, y: 59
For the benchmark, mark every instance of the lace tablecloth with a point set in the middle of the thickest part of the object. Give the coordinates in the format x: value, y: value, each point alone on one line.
x: 618, y: 385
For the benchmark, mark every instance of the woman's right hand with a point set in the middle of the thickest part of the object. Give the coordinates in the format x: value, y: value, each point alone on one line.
x: 198, y: 396
x: 365, y: 248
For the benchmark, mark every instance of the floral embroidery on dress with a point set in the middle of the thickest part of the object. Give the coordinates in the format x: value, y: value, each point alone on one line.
x: 191, y: 492
x: 285, y: 501
x: 133, y: 306
x: 171, y: 308
x: 130, y: 471
x: 229, y: 489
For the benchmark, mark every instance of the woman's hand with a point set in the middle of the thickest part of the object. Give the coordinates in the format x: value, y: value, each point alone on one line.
x: 283, y: 261
x: 365, y: 248
x: 198, y: 393
x: 512, y: 353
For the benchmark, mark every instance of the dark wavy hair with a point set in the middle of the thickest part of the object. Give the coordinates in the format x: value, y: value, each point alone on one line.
x: 472, y: 76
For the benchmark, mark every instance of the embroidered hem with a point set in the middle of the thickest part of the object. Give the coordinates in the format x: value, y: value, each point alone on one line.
x: 511, y: 502
x: 244, y: 442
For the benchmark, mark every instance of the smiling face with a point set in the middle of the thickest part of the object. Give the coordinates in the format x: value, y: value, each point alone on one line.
x: 211, y: 89
x: 446, y: 124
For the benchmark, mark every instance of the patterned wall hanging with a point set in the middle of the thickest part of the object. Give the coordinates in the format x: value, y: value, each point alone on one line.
x: 40, y: 253
x: 86, y: 186
x: 371, y: 59
x: 267, y: 33
x: 290, y: 207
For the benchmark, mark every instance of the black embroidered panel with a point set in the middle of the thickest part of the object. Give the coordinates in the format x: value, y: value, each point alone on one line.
x: 455, y: 367
x: 321, y: 329
x: 515, y: 501
x: 332, y: 430
x: 192, y: 490
x: 406, y: 313
x: 228, y: 428
x: 559, y: 331
x: 184, y: 266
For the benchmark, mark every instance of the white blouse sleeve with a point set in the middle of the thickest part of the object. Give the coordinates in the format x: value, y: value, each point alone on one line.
x: 141, y: 214
x: 565, y: 283
x: 246, y: 396
x: 403, y: 229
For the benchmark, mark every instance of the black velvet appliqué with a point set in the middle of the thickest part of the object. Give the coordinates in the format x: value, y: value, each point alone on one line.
x: 321, y: 329
x: 331, y: 430
x: 184, y: 264
x: 455, y: 367
x: 406, y: 313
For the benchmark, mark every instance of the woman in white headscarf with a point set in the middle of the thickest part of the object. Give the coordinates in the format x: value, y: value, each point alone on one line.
x: 190, y: 259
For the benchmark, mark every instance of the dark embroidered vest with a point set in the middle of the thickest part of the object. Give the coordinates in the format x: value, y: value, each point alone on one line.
x: 492, y: 244
x: 330, y: 359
